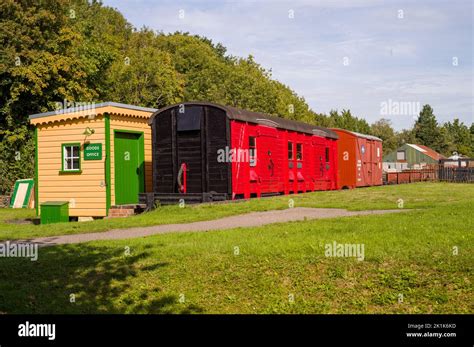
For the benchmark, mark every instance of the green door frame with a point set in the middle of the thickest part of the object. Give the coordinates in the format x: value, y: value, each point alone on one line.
x: 36, y: 173
x: 108, y: 184
x: 141, y: 157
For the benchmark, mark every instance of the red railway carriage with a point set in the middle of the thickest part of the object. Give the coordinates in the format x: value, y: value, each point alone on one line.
x: 359, y: 160
x: 290, y: 157
x: 205, y: 152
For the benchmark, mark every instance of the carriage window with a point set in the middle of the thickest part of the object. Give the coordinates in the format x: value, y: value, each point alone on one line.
x: 189, y: 118
x: 71, y: 157
x: 290, y: 150
x: 252, y: 151
x: 327, y: 154
x: 299, y: 151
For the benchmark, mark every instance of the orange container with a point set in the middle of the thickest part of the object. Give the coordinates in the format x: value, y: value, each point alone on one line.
x: 359, y: 159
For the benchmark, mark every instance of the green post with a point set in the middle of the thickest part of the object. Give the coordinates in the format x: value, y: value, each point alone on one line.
x: 108, y: 186
x: 36, y: 173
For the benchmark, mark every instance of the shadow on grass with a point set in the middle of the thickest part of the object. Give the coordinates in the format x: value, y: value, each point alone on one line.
x: 97, y: 279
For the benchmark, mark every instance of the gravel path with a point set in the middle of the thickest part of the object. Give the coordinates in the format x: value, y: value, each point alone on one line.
x: 252, y: 219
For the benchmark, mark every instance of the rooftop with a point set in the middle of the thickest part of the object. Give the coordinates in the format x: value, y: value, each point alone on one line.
x: 91, y: 109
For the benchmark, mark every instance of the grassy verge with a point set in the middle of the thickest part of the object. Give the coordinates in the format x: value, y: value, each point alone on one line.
x: 419, y: 195
x: 410, y: 266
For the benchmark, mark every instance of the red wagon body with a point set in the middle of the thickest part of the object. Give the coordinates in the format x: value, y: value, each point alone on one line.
x: 359, y: 160
x: 285, y: 162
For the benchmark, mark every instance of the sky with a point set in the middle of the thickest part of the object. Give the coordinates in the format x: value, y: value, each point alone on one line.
x: 378, y: 58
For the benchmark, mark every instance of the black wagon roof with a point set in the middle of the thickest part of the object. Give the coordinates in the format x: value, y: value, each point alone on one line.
x: 258, y: 118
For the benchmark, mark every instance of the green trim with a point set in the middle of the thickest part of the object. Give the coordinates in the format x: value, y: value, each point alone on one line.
x: 108, y: 185
x: 15, y: 189
x: 36, y: 173
x: 141, y: 150
x: 62, y: 158
x: 28, y: 193
x: 141, y: 153
x: 30, y: 183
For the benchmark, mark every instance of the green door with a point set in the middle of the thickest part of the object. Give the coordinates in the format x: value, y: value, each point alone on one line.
x: 129, y: 167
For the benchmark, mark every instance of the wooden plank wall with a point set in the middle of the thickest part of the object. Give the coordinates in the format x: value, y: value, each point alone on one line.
x: 86, y: 191
x: 164, y: 165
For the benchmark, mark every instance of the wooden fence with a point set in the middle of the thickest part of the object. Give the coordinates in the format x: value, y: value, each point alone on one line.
x: 410, y: 176
x: 461, y: 171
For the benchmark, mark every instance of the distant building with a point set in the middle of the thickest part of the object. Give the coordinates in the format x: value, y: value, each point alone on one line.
x: 456, y: 156
x: 410, y: 156
x: 457, y: 160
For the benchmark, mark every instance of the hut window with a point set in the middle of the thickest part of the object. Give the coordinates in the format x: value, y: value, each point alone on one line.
x: 299, y: 151
x: 327, y: 154
x: 189, y: 118
x: 71, y: 157
x: 290, y: 150
x: 252, y: 151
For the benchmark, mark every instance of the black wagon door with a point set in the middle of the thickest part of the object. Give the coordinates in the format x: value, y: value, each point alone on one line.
x: 187, y: 139
x: 189, y: 151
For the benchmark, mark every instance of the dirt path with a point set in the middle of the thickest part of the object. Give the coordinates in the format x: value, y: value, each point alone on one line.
x: 252, y: 219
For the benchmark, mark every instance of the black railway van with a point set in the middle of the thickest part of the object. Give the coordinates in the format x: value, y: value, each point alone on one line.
x: 185, y: 140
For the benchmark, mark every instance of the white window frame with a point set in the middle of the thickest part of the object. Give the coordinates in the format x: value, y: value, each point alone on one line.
x: 68, y: 161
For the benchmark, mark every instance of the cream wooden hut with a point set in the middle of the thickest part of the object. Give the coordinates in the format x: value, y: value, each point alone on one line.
x: 94, y: 157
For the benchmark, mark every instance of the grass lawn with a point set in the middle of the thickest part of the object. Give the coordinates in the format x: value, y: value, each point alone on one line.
x: 419, y: 195
x: 409, y: 264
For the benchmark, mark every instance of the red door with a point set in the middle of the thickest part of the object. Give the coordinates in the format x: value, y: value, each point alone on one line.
x: 320, y: 169
x: 369, y: 162
x: 268, y: 163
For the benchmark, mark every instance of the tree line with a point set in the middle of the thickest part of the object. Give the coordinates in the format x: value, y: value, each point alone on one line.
x: 83, y: 51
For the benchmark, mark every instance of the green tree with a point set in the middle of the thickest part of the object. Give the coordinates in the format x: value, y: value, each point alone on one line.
x: 39, y: 66
x: 405, y: 136
x: 383, y: 129
x: 458, y: 138
x: 345, y: 120
x: 426, y: 129
x: 145, y: 75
